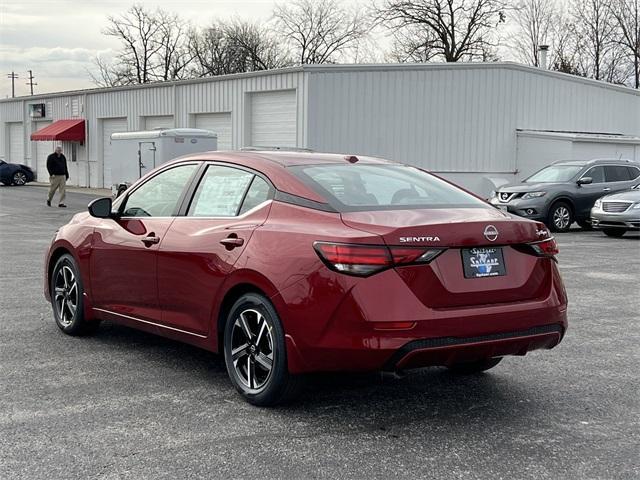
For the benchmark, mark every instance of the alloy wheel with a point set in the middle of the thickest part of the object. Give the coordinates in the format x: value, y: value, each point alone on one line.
x: 252, y: 349
x: 66, y: 295
x: 561, y: 217
x: 19, y: 178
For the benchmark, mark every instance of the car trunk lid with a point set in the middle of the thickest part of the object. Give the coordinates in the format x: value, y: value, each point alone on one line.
x: 443, y: 283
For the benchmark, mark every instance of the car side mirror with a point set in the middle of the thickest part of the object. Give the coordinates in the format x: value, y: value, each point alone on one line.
x: 585, y: 181
x: 100, y: 208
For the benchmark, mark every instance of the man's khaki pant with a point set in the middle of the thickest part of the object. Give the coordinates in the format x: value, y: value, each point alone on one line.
x: 57, y: 182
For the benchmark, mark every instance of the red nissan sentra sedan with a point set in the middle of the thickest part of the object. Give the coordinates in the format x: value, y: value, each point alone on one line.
x: 292, y: 262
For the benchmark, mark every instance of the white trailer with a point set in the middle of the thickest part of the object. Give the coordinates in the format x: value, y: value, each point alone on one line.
x: 136, y: 153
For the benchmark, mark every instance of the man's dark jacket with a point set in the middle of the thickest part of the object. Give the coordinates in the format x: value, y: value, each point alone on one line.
x: 57, y: 165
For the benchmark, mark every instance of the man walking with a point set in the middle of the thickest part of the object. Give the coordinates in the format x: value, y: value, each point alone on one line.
x: 58, y: 175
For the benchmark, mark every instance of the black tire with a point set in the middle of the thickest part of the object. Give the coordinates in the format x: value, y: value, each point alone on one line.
x: 475, y: 367
x: 614, y: 232
x: 263, y: 345
x: 67, y: 289
x: 584, y: 225
x: 560, y: 217
x: 19, y: 178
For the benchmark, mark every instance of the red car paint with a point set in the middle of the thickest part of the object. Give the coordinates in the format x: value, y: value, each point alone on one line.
x: 403, y: 316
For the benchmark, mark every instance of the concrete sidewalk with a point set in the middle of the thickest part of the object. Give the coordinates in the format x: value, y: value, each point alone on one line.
x: 101, y: 192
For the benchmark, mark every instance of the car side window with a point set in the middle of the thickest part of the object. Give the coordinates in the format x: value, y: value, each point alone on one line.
x: 616, y: 173
x: 220, y: 192
x: 596, y: 173
x: 159, y: 196
x: 634, y: 172
x: 260, y: 191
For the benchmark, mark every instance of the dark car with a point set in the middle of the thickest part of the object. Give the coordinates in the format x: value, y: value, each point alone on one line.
x: 288, y: 263
x: 565, y: 191
x: 15, y: 173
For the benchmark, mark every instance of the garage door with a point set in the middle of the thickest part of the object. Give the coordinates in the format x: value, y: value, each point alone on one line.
x: 109, y: 126
x: 273, y: 119
x: 156, y: 123
x: 219, y: 123
x: 42, y: 151
x: 16, y: 143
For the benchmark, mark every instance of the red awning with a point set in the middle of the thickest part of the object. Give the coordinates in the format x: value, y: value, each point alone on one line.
x: 63, y: 130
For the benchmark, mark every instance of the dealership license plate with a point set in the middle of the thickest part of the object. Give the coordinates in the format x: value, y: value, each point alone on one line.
x: 483, y: 262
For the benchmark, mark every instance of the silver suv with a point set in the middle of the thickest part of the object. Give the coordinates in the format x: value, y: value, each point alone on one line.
x: 565, y: 191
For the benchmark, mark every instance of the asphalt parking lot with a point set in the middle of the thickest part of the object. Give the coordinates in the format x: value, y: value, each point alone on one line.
x: 126, y: 404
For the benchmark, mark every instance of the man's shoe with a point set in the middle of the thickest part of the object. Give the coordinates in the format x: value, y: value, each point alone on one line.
x: 62, y: 205
x: 48, y: 203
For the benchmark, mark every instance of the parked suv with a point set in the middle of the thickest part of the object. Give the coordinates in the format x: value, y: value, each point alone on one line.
x: 565, y: 191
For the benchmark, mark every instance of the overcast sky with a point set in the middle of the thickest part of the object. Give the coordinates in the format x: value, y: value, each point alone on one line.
x: 59, y: 39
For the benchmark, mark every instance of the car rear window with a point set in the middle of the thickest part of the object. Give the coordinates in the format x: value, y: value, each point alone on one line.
x: 382, y: 187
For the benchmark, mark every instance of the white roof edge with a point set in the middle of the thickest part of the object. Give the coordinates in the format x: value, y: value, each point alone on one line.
x: 468, y: 65
x: 351, y: 67
x: 581, y: 136
x: 168, y: 132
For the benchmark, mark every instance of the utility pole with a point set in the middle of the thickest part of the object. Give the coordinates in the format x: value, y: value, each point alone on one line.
x: 13, y: 77
x: 30, y: 82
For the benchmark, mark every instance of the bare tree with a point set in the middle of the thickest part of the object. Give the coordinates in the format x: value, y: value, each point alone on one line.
x: 259, y: 49
x: 173, y: 54
x: 137, y: 31
x: 455, y: 30
x: 596, y: 29
x: 627, y: 15
x: 535, y: 21
x: 235, y: 47
x: 319, y: 31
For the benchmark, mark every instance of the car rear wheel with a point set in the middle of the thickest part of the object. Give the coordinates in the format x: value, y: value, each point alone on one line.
x: 19, y: 178
x: 475, y: 367
x: 614, y: 232
x: 560, y: 217
x: 255, y: 352
x: 67, y: 298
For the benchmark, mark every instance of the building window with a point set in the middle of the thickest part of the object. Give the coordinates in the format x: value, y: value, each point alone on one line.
x: 74, y: 152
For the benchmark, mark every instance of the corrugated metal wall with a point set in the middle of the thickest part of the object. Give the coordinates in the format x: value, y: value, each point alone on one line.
x: 182, y: 99
x: 460, y: 119
x: 456, y: 118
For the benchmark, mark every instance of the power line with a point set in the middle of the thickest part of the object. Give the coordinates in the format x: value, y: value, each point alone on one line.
x: 13, y: 77
x: 30, y: 82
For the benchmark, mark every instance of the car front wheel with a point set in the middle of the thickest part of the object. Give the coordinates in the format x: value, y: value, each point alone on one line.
x: 255, y: 352
x: 560, y: 217
x: 19, y: 178
x: 67, y: 298
x: 614, y: 232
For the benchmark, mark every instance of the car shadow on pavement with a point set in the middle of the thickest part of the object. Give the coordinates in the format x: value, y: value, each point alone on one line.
x: 374, y: 401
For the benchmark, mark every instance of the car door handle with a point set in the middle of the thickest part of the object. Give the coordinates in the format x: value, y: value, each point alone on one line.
x: 150, y: 240
x: 606, y: 189
x: 232, y: 242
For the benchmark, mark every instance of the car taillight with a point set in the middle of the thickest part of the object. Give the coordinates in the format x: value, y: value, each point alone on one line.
x: 364, y: 260
x: 545, y: 248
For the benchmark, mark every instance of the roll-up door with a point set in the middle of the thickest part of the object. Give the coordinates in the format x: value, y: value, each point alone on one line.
x: 159, y: 122
x: 16, y: 143
x: 219, y: 123
x: 273, y: 119
x: 110, y: 126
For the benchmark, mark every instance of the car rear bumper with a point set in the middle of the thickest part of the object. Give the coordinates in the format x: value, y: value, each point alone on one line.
x: 452, y: 350
x: 359, y: 338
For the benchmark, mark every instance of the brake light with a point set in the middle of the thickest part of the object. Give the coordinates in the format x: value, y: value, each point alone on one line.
x: 546, y: 248
x: 364, y: 260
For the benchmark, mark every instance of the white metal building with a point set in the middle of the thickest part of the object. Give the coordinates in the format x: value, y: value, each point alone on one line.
x: 478, y: 124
